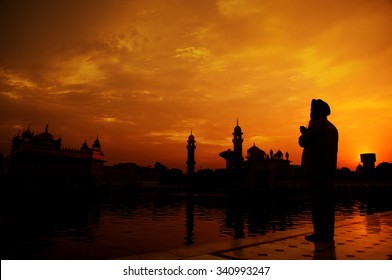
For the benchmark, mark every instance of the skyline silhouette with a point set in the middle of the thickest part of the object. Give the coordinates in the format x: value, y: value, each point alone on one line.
x: 38, y: 160
x: 26, y: 138
x: 366, y: 160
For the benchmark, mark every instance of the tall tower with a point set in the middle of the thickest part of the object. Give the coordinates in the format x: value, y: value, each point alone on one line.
x: 190, y: 163
x: 237, y: 141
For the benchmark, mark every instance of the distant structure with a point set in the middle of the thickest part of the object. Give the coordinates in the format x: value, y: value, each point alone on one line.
x: 367, y: 169
x: 237, y: 142
x: 368, y: 161
x: 39, y: 160
x: 261, y: 167
x: 234, y: 159
x: 190, y: 163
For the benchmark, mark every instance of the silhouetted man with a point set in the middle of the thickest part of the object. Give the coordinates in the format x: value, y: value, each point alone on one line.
x: 319, y: 156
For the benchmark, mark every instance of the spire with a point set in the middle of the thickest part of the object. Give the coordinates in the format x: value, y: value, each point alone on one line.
x: 97, y: 144
x: 46, y: 128
x: 191, y: 154
x: 85, y: 145
x: 191, y: 138
x: 237, y: 141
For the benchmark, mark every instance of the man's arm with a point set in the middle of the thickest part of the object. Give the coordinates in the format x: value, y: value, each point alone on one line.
x: 311, y: 134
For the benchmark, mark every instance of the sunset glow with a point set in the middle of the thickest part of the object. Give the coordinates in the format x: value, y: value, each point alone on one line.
x: 143, y: 74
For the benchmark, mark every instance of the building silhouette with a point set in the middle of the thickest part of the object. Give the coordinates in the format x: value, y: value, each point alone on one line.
x: 368, y: 161
x: 234, y: 159
x: 259, y: 167
x: 39, y: 160
x: 190, y: 163
x: 237, y: 142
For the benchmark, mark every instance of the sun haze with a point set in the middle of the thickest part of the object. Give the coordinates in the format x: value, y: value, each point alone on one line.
x: 142, y: 74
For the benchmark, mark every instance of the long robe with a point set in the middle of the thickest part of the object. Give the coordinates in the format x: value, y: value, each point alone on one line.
x: 319, y: 157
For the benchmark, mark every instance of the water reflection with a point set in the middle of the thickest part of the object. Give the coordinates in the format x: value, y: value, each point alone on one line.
x: 30, y: 223
x: 121, y: 224
x: 189, y: 220
x: 324, y: 251
x: 373, y: 225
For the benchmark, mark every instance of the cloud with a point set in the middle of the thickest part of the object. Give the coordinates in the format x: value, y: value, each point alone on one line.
x: 192, y: 53
x: 130, y: 68
x: 237, y: 8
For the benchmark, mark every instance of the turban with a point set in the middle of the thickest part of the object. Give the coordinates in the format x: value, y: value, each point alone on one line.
x: 319, y: 108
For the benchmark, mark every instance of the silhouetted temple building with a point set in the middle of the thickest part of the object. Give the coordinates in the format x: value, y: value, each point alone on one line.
x: 39, y: 160
x: 190, y: 163
x: 262, y: 167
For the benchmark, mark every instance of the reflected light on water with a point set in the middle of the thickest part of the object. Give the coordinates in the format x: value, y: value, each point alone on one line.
x: 119, y: 225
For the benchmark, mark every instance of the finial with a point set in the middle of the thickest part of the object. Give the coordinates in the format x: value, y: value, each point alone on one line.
x: 237, y: 120
x: 191, y: 131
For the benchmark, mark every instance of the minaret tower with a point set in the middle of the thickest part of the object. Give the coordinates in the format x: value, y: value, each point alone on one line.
x: 237, y: 141
x: 190, y: 163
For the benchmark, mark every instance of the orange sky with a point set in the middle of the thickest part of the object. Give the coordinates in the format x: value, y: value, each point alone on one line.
x: 142, y: 74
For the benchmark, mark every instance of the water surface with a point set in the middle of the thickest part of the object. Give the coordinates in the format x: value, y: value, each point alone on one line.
x: 123, y: 224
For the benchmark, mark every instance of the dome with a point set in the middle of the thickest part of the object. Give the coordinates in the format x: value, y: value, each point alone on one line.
x: 45, y: 135
x: 237, y: 129
x: 27, y: 134
x: 97, y: 144
x: 255, y: 152
x: 278, y: 155
x: 253, y: 149
x: 191, y: 138
x: 85, y: 145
